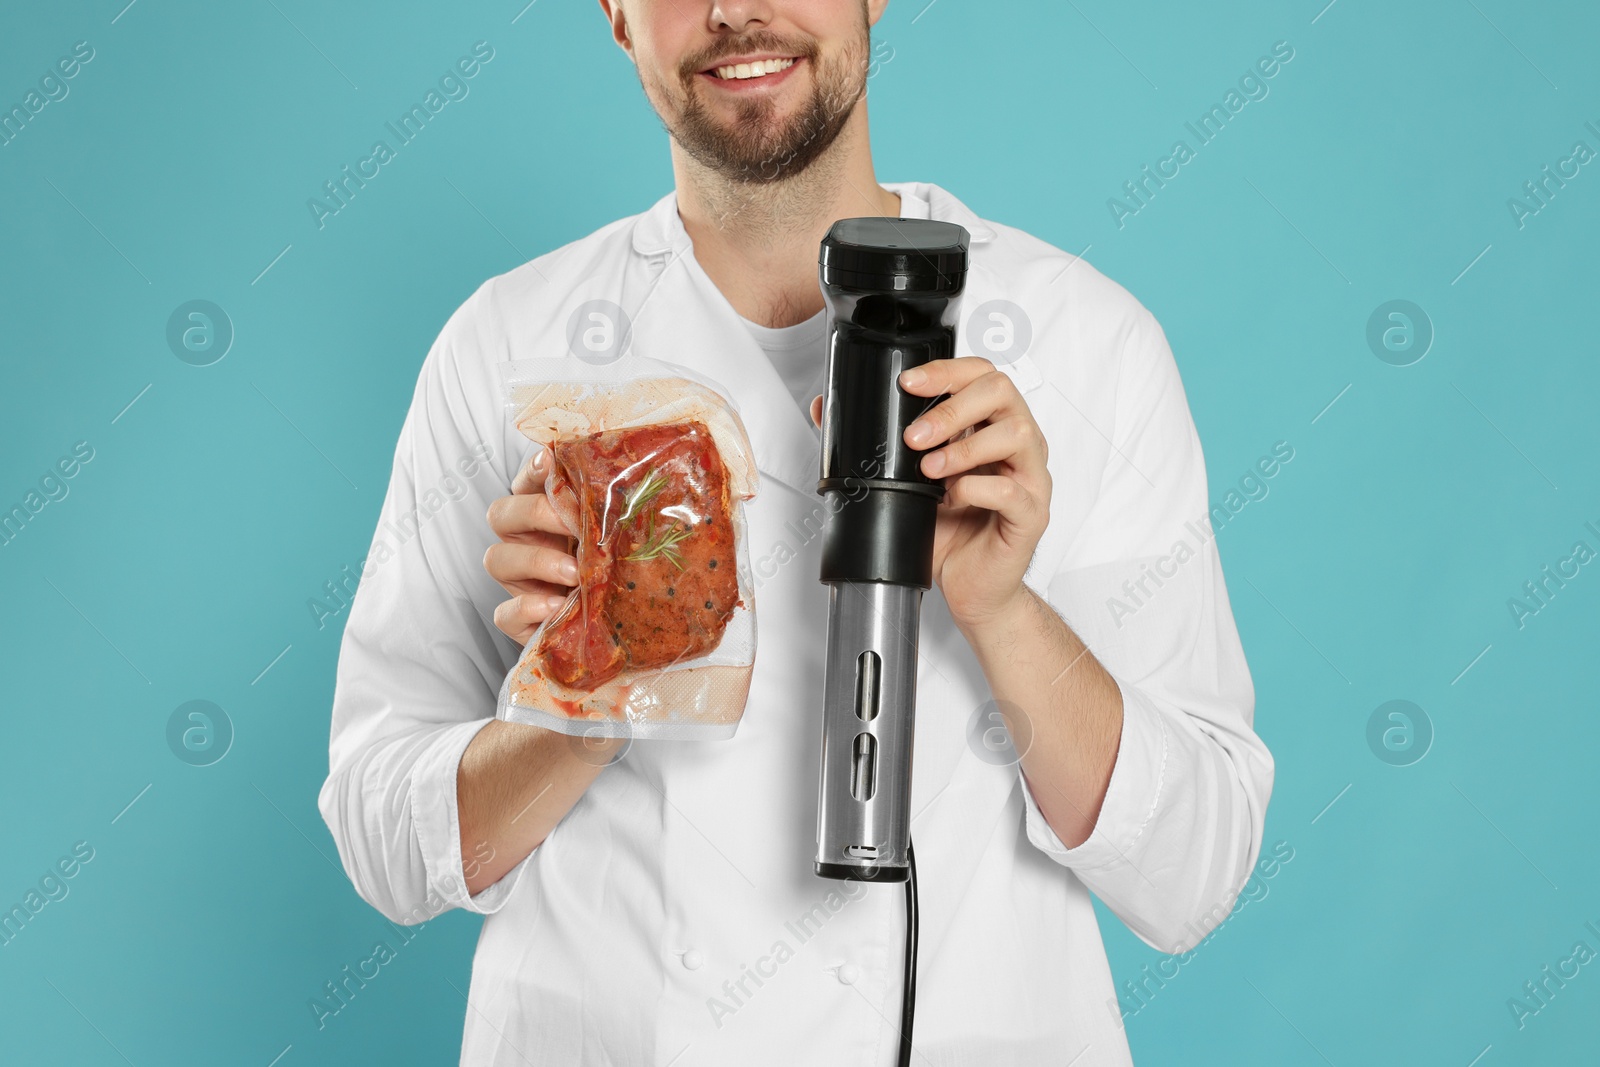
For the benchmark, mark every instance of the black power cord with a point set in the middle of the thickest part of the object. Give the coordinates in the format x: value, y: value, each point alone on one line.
x: 908, y: 1001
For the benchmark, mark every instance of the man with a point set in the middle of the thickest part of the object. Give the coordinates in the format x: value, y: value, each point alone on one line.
x: 655, y: 903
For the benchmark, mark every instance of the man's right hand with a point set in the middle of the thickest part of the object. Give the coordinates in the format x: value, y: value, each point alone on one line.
x: 516, y: 782
x: 533, y: 561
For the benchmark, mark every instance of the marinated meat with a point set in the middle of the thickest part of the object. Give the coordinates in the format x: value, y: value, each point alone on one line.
x: 657, y: 574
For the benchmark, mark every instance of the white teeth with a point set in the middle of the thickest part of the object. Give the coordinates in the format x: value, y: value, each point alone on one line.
x: 758, y: 69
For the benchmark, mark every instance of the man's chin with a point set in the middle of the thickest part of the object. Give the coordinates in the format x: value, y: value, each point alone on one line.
x: 753, y: 157
x: 758, y: 141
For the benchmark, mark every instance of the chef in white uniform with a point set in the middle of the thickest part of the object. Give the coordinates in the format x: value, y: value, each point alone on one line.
x: 655, y: 903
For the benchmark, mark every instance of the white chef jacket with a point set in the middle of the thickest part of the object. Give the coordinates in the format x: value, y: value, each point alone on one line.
x: 673, y: 916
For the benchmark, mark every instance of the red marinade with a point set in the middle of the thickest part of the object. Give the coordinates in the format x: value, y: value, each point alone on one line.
x: 657, y: 578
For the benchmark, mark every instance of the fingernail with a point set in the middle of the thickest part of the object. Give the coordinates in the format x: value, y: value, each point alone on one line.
x: 913, y: 377
x: 569, y: 570
x: 917, y: 432
x: 555, y: 602
x: 539, y: 457
x: 933, y: 463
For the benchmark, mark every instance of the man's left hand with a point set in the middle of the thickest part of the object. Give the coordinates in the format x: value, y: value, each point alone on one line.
x: 997, y: 485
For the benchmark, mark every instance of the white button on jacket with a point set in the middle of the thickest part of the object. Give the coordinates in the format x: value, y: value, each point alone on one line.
x: 673, y: 916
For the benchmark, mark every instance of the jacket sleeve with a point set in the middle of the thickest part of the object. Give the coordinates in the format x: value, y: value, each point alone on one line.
x: 421, y: 662
x: 1142, y: 586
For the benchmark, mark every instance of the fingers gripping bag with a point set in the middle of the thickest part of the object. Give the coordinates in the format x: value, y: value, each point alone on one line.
x: 651, y: 469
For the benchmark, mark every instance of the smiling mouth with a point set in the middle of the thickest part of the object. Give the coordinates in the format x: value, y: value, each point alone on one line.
x: 753, y: 71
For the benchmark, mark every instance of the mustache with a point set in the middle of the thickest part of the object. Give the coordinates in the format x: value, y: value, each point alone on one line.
x: 728, y: 47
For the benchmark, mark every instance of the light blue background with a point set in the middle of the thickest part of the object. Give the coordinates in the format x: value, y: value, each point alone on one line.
x: 1378, y: 567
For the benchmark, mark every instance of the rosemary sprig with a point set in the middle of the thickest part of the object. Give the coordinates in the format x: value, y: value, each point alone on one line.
x: 660, y: 545
x: 636, y: 499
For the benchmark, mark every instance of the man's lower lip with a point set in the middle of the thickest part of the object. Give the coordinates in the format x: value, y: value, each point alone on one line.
x: 746, y: 84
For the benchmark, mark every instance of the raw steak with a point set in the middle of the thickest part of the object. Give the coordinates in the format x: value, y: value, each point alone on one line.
x: 657, y: 576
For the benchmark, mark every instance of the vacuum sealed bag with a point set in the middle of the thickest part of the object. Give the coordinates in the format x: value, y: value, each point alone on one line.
x: 651, y: 470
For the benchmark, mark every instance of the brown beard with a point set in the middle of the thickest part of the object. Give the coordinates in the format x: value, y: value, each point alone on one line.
x: 758, y: 148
